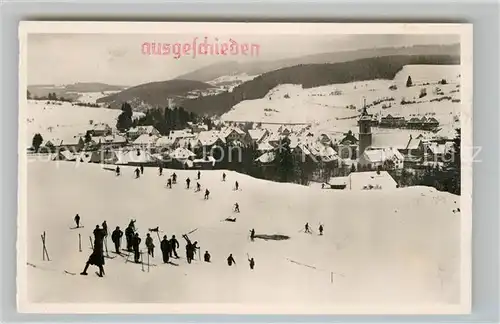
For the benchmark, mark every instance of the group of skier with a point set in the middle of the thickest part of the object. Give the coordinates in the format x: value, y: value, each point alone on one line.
x: 168, y: 247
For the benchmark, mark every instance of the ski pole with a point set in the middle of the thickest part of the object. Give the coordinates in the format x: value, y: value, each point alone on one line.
x: 91, y: 245
x: 79, y: 242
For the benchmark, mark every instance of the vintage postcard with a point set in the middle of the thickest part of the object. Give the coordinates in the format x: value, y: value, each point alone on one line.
x: 245, y: 168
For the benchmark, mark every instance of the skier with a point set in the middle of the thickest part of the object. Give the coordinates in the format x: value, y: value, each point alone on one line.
x: 206, y: 256
x: 252, y: 263
x: 117, y: 171
x: 160, y: 170
x: 97, y: 256
x: 307, y: 230
x: 150, y: 245
x: 105, y: 229
x: 174, y: 244
x: 198, y: 187
x: 137, y: 173
x: 116, y: 237
x: 223, y: 176
x: 320, y: 229
x: 136, y: 242
x: 230, y: 260
x: 77, y: 221
x: 236, y: 185
x: 142, y: 169
x: 97, y: 231
x: 207, y: 193
x: 236, y: 208
x: 129, y: 236
x: 199, y: 175
x: 132, y: 224
x: 188, y: 181
x: 165, y: 249
x: 169, y: 183
x: 190, y: 248
x: 252, y: 234
x: 174, y: 178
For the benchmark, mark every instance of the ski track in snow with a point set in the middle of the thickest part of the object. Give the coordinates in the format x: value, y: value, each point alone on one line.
x: 397, y: 247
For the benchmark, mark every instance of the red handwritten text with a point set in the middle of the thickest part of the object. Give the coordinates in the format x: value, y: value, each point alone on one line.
x: 205, y: 47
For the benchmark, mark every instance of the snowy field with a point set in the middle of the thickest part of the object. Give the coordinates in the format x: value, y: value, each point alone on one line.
x: 326, y: 105
x: 63, y: 120
x: 400, y: 247
x: 91, y: 97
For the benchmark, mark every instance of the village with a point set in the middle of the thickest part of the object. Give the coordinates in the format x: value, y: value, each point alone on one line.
x: 331, y: 157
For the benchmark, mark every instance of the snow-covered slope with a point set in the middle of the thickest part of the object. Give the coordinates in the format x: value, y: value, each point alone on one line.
x: 329, y: 104
x: 63, y: 120
x: 398, y: 247
x: 91, y: 97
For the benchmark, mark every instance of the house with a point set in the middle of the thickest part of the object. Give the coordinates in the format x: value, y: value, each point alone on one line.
x: 145, y: 141
x: 347, y: 147
x: 64, y: 156
x: 135, y: 132
x: 209, y: 139
x: 182, y: 157
x: 165, y: 142
x: 114, y: 141
x: 208, y: 162
x: 235, y: 134
x: 389, y: 158
x: 73, y: 144
x: 100, y: 129
x: 370, y: 180
x: 392, y: 122
x: 266, y: 158
x: 438, y: 152
x: 258, y: 135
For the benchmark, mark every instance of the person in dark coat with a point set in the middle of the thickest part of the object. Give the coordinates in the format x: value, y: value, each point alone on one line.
x: 198, y: 187
x: 206, y: 256
x: 174, y: 244
x: 160, y: 170
x: 117, y: 171
x: 306, y: 228
x: 150, y: 245
x: 174, y: 178
x: 136, y: 242
x: 105, y: 229
x: 116, y: 237
x: 252, y: 234
x: 142, y: 169
x: 137, y: 173
x: 252, y: 263
x: 165, y: 249
x: 236, y: 185
x: 77, y: 221
x: 188, y: 181
x: 223, y: 176
x: 129, y: 236
x: 207, y: 194
x: 190, y: 249
x: 230, y: 260
x: 97, y: 256
x: 320, y: 229
x: 199, y: 175
x: 236, y: 208
x: 169, y: 183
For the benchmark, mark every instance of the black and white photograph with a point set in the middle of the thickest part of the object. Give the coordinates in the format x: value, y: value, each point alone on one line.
x: 274, y: 168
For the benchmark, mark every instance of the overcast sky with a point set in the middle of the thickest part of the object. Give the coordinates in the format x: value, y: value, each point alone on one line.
x: 117, y: 59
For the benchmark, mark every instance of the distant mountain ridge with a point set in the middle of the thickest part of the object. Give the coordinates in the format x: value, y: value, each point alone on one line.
x: 153, y: 94
x: 312, y: 75
x: 71, y: 91
x: 216, y: 70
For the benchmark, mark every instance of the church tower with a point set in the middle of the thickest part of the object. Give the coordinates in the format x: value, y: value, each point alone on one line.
x: 365, y: 131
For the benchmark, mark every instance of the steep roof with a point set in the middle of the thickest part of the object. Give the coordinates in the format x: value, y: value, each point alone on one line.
x: 361, y: 180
